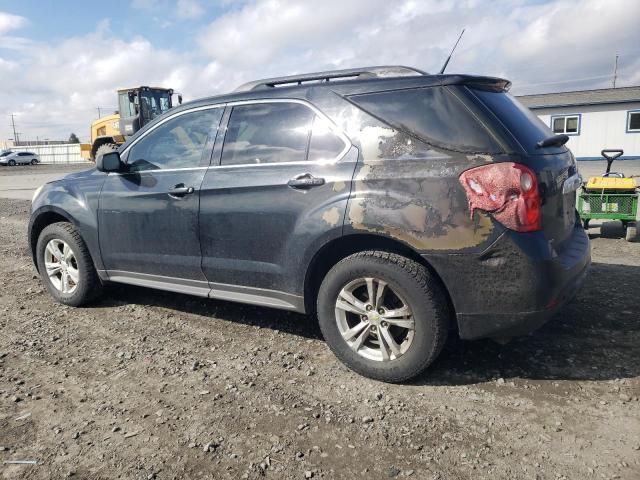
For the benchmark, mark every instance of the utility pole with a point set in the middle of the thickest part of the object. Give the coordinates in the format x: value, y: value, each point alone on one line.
x: 13, y: 125
x: 99, y: 113
x: 615, y: 72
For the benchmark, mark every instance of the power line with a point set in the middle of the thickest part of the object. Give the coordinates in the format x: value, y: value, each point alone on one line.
x: 13, y: 125
x: 573, y: 80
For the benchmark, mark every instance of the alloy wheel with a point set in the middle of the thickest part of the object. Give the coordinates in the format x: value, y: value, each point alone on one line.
x: 374, y: 319
x: 62, y: 266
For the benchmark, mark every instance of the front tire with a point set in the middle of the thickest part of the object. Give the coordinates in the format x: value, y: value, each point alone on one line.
x: 12, y: 163
x: 631, y: 232
x: 65, y: 265
x: 383, y: 315
x: 34, y: 162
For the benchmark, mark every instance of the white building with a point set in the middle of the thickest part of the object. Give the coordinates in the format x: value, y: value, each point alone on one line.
x: 593, y: 119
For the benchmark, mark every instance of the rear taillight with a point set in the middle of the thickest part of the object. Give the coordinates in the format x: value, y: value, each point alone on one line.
x: 509, y: 191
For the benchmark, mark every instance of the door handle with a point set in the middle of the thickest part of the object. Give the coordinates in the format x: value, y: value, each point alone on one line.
x: 305, y: 181
x: 180, y: 191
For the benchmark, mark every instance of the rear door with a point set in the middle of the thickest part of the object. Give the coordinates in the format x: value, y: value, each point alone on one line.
x: 148, y: 215
x: 25, y: 157
x: 279, y: 192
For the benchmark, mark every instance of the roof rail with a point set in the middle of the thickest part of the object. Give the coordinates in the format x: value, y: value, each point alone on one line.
x: 349, y: 73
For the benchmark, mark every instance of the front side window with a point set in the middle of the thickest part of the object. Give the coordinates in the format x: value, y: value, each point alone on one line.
x: 633, y: 121
x: 126, y: 107
x: 569, y: 124
x: 177, y: 143
x: 267, y: 133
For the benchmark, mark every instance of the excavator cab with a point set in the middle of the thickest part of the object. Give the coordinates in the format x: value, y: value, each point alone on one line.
x: 138, y: 106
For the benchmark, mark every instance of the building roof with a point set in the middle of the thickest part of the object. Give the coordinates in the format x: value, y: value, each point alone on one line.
x: 582, y: 97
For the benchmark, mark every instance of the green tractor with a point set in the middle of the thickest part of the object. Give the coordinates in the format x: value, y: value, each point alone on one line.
x: 611, y: 196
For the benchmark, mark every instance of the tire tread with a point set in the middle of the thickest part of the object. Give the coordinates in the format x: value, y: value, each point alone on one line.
x: 93, y: 284
x: 427, y: 282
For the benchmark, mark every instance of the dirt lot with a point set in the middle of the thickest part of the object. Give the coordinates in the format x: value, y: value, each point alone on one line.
x: 147, y: 385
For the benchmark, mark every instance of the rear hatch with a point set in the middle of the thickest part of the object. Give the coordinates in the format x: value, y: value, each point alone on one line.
x: 555, y: 165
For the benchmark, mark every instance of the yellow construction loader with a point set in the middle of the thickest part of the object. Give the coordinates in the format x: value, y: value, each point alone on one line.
x: 136, y: 107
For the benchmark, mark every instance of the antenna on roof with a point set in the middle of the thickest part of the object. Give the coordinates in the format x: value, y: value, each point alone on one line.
x: 444, y: 67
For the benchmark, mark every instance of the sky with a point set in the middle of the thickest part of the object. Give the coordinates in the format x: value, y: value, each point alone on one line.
x: 61, y: 61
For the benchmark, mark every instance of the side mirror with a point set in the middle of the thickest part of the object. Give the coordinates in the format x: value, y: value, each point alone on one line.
x: 179, y: 99
x: 109, y: 162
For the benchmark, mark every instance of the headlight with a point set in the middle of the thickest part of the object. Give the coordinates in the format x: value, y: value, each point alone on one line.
x: 36, y: 193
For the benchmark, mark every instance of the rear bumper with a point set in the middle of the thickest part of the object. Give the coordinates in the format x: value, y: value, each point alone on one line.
x: 516, y: 285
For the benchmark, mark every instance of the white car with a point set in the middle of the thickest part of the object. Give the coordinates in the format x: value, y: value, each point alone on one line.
x: 18, y: 158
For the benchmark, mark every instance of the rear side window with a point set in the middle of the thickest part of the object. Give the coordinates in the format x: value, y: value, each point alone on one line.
x: 324, y: 143
x: 433, y: 114
x: 523, y: 124
x: 267, y: 133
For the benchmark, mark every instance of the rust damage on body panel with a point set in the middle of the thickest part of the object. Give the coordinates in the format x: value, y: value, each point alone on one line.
x: 331, y: 216
x: 416, y: 199
x: 339, y: 186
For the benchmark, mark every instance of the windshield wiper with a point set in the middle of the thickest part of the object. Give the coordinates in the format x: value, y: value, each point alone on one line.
x: 554, y: 141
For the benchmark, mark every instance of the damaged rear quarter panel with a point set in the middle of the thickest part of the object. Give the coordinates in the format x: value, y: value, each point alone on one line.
x: 409, y: 191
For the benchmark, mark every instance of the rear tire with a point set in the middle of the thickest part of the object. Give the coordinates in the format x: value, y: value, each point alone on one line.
x: 34, y: 162
x: 631, y: 234
x: 401, y: 280
x: 61, y: 253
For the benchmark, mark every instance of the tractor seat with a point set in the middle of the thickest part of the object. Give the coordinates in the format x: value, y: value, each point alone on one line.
x: 611, y: 183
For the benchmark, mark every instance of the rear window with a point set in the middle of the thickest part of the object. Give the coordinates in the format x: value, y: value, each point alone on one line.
x: 432, y: 114
x: 523, y: 124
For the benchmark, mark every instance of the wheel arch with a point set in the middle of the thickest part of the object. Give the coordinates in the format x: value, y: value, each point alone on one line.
x: 42, y: 218
x: 335, y: 250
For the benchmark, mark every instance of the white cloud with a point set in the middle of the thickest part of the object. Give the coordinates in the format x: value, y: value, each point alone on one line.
x: 529, y: 43
x: 263, y: 30
x: 10, y: 22
x: 55, y: 87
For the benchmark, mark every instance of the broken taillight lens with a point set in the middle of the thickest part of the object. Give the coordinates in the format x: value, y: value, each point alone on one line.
x: 509, y: 191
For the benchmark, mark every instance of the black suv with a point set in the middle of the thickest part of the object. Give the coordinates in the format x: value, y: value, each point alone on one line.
x: 397, y: 206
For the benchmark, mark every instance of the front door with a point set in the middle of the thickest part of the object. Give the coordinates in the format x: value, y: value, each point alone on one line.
x: 279, y: 192
x: 148, y: 215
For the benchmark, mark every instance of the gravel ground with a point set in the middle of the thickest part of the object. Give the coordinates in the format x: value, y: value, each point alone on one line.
x: 146, y: 384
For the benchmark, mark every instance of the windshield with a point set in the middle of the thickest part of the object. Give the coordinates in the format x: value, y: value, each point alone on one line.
x: 4, y: 154
x: 154, y: 103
